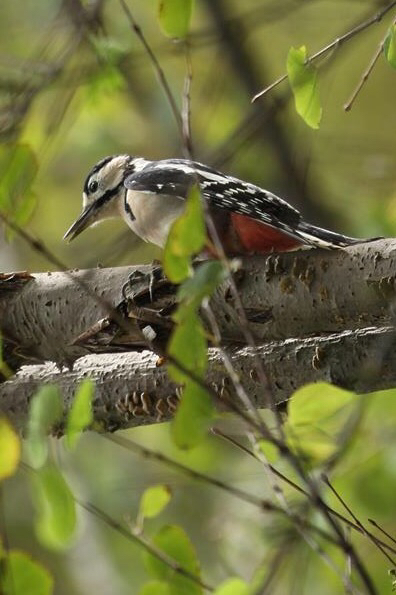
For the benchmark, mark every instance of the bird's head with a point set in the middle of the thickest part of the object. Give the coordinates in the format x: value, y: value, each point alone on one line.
x: 104, y: 191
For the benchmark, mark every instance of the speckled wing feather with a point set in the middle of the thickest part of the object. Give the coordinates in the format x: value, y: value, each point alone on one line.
x: 174, y: 177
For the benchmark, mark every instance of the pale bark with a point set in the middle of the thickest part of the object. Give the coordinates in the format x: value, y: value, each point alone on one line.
x: 290, y: 295
x: 130, y: 388
x: 295, y: 299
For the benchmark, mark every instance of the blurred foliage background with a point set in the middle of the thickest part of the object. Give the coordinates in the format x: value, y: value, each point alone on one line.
x: 76, y: 85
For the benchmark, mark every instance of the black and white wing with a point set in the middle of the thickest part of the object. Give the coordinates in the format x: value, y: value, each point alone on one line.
x: 174, y: 177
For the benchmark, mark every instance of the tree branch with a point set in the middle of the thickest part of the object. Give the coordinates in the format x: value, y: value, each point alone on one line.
x: 295, y: 294
x: 318, y: 314
x: 132, y: 390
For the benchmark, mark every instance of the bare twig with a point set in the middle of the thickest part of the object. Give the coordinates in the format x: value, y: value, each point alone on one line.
x: 334, y: 45
x: 380, y: 528
x: 366, y: 73
x: 160, y: 73
x: 355, y: 526
x: 355, y: 518
x: 260, y: 503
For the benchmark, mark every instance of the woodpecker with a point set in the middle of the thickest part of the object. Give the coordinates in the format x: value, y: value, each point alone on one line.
x: 150, y: 196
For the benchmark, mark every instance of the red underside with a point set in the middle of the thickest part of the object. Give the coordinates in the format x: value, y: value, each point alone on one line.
x: 259, y: 237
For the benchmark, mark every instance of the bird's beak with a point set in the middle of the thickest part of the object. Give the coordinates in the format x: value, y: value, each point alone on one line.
x: 86, y: 219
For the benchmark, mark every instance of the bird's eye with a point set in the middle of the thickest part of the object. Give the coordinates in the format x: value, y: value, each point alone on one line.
x: 93, y: 186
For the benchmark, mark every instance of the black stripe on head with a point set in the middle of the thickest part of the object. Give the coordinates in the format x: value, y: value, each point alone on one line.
x: 108, y: 195
x: 95, y: 169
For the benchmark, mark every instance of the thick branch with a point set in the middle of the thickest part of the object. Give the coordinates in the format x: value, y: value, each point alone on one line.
x: 132, y: 390
x: 290, y: 295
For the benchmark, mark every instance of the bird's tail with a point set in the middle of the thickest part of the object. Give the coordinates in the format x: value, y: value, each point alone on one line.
x: 323, y: 238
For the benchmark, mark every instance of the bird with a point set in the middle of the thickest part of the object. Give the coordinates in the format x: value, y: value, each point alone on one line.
x: 151, y: 195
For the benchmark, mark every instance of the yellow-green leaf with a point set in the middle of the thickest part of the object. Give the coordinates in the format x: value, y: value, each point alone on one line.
x: 390, y: 46
x: 174, y: 17
x: 317, y: 414
x: 175, y: 543
x: 186, y: 237
x: 303, y: 82
x: 24, y: 576
x: 193, y: 417
x: 10, y: 449
x: 233, y: 586
x: 80, y: 415
x: 45, y: 410
x: 154, y: 500
x: 55, y: 508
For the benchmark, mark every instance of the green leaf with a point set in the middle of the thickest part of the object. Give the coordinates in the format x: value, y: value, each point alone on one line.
x: 188, y: 346
x: 55, y: 508
x: 23, y: 576
x: 317, y: 414
x: 390, y: 46
x: 233, y: 586
x: 174, y: 17
x: 45, y: 410
x: 174, y: 542
x: 207, y: 277
x: 10, y: 449
x: 302, y: 79
x: 154, y: 500
x: 80, y: 415
x: 193, y: 417
x: 186, y: 237
x: 156, y: 588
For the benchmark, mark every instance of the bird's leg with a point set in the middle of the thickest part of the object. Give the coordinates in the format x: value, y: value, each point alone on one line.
x: 139, y: 281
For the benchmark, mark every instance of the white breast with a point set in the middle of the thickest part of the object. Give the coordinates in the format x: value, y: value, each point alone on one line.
x: 153, y: 215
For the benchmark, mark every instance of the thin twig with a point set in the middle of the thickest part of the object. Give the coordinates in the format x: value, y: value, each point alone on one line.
x: 357, y: 521
x: 260, y: 503
x: 318, y: 502
x: 316, y: 548
x: 150, y: 548
x: 157, y: 67
x: 321, y: 506
x: 295, y: 486
x: 334, y: 45
x: 375, y: 524
x: 366, y: 73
